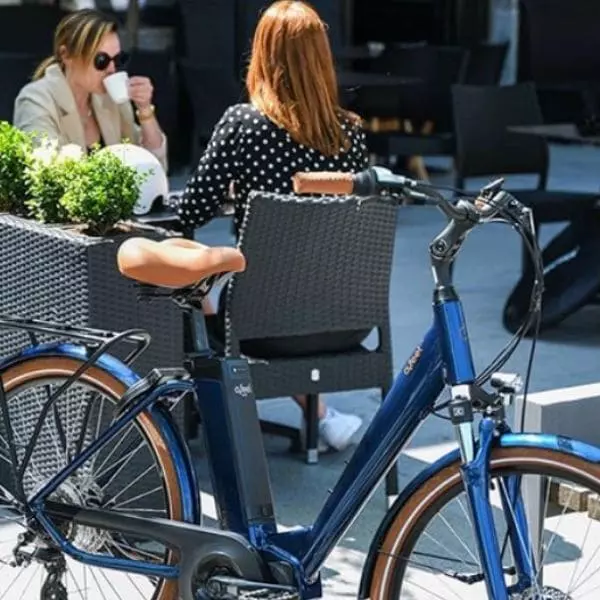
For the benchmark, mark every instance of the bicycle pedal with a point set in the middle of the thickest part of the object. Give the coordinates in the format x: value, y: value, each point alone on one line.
x: 230, y: 588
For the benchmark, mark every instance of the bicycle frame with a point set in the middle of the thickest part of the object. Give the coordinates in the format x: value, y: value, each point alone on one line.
x: 243, y: 494
x: 443, y: 357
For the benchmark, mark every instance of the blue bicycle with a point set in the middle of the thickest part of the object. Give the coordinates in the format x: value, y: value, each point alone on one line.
x: 98, y: 497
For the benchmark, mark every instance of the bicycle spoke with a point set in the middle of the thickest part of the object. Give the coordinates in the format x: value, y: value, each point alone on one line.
x: 80, y: 416
x: 139, y: 496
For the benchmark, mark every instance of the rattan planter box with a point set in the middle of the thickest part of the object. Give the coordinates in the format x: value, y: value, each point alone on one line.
x: 58, y: 274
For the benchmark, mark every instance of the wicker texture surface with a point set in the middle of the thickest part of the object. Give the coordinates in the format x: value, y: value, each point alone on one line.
x: 314, y: 265
x: 67, y: 277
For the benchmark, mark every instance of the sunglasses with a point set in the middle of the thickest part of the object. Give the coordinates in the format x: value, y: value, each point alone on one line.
x: 102, y: 60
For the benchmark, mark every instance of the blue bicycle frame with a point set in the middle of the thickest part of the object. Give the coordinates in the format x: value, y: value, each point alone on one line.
x: 442, y: 359
x: 444, y: 356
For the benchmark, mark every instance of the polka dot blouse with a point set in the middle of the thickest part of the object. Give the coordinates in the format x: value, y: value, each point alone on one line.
x: 249, y: 150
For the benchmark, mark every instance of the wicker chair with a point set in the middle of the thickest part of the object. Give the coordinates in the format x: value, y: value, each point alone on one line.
x: 316, y: 265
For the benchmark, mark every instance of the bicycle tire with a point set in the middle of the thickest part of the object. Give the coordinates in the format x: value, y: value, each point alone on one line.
x: 34, y: 369
x: 412, y: 518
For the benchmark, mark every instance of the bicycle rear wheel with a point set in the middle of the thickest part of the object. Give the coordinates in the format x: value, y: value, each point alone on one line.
x: 429, y: 550
x: 134, y: 473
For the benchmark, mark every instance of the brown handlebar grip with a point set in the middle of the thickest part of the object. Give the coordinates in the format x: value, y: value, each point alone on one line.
x: 324, y: 182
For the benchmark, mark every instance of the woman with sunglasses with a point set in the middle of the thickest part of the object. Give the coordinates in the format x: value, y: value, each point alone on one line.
x: 67, y: 99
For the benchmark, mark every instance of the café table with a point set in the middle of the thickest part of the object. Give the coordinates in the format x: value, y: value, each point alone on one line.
x: 354, y: 79
x: 357, y: 52
x: 565, y: 133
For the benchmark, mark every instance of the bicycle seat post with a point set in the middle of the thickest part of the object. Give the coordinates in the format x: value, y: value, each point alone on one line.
x: 195, y: 334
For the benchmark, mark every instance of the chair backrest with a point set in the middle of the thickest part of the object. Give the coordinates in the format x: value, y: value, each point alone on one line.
x: 314, y: 265
x: 438, y: 68
x: 484, y: 144
x: 485, y: 64
x: 435, y: 64
x: 381, y: 101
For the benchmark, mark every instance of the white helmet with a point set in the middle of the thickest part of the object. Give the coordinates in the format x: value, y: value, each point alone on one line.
x: 156, y: 184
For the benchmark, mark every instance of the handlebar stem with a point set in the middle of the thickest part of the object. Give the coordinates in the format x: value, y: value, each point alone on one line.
x: 445, y: 246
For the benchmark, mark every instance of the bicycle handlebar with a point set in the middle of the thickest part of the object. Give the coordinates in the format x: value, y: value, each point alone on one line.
x: 379, y: 180
x: 463, y: 214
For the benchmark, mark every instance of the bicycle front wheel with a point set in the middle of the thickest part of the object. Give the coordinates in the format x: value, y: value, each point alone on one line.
x: 134, y: 474
x: 430, y: 552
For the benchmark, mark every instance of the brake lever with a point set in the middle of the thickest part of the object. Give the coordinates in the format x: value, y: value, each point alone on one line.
x: 504, y: 202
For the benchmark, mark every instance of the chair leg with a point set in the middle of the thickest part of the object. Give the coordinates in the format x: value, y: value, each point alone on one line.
x: 311, y: 416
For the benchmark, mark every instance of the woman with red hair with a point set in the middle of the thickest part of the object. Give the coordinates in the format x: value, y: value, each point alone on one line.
x: 293, y: 122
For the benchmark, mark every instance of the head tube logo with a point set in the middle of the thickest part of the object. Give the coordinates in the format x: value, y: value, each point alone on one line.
x: 243, y: 389
x: 411, y: 363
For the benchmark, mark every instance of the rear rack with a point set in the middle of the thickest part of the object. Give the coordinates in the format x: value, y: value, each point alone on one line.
x: 96, y: 341
x: 99, y: 340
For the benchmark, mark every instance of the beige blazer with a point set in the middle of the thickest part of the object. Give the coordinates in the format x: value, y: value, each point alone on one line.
x: 48, y: 106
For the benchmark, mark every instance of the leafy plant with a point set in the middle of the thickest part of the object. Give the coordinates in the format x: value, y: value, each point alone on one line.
x: 67, y: 186
x: 49, y: 176
x: 103, y: 192
x: 15, y: 157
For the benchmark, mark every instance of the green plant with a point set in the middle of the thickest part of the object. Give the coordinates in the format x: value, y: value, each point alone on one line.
x: 49, y: 175
x: 67, y: 186
x: 103, y: 193
x: 15, y: 157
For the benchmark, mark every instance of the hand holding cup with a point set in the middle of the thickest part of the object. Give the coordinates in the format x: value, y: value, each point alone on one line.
x: 140, y: 92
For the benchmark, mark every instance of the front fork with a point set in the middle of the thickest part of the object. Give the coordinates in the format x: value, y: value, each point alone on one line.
x: 476, y: 478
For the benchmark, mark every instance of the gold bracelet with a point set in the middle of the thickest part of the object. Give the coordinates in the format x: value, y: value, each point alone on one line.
x: 146, y: 114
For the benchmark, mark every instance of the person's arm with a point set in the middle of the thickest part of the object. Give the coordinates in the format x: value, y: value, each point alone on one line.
x: 151, y: 135
x: 359, y: 148
x: 208, y: 188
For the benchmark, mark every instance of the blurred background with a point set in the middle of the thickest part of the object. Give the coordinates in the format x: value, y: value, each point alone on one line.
x: 196, y: 50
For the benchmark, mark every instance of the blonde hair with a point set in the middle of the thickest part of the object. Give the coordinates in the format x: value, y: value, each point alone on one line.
x: 80, y: 34
x: 291, y: 77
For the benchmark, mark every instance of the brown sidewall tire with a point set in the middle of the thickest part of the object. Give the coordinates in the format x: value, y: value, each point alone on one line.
x: 33, y: 369
x: 527, y: 460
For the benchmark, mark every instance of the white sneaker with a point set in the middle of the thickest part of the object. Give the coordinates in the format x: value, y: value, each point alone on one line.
x: 337, y: 429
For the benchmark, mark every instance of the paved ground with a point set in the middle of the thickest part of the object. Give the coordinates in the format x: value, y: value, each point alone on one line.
x: 486, y: 271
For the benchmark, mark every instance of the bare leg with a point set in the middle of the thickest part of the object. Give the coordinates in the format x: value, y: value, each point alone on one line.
x: 301, y: 400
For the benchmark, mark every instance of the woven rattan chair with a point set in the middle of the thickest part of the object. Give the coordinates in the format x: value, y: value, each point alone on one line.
x: 315, y: 266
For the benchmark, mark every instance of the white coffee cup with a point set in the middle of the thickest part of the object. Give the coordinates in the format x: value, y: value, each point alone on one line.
x: 117, y: 86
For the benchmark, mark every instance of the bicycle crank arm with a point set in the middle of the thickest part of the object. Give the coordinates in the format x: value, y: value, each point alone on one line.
x: 198, y: 548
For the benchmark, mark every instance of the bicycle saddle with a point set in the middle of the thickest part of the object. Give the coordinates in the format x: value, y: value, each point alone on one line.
x: 175, y: 262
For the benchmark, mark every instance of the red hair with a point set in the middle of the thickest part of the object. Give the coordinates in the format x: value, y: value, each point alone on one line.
x: 291, y: 77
